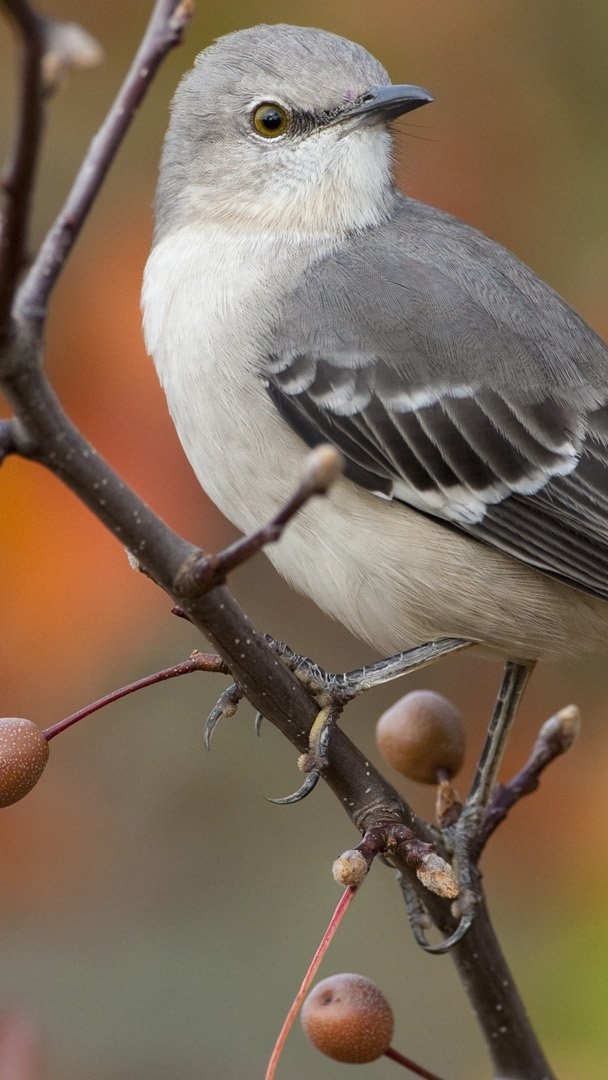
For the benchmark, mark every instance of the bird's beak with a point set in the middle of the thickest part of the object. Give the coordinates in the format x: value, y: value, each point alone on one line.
x: 387, y: 102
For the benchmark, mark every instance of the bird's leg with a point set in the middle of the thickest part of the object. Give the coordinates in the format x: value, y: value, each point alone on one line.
x: 333, y: 691
x: 470, y: 822
x: 514, y: 681
x: 342, y: 686
x: 463, y: 838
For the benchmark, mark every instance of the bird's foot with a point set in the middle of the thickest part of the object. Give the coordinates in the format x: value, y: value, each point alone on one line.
x: 336, y: 689
x: 332, y: 691
x: 331, y: 687
x: 420, y: 920
x: 459, y: 844
x: 314, y: 762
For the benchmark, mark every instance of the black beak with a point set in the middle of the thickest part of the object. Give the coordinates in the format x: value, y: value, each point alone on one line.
x: 388, y: 102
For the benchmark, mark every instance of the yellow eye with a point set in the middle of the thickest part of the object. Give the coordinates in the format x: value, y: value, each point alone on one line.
x: 271, y: 120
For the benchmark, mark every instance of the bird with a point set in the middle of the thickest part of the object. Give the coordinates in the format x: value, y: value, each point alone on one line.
x: 295, y: 296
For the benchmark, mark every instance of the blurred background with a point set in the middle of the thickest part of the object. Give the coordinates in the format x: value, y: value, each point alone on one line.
x: 157, y: 914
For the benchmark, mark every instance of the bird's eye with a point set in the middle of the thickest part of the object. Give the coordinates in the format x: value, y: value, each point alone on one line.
x: 271, y: 120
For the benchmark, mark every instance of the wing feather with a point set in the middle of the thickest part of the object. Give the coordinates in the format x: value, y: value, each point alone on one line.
x: 454, y: 380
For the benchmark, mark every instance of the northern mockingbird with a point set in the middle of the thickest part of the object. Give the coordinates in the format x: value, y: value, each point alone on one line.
x: 293, y: 295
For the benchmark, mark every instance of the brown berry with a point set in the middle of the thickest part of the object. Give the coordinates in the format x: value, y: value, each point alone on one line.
x: 24, y: 752
x: 422, y: 736
x: 348, y: 1018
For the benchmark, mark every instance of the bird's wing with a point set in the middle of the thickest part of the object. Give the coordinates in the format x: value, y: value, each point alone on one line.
x: 454, y: 380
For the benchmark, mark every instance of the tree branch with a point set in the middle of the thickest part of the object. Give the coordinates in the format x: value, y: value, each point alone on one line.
x: 164, y: 30
x: 555, y: 737
x: 510, y: 1038
x: 18, y: 179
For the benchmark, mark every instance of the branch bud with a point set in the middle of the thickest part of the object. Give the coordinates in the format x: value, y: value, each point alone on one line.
x: 350, y: 868
x: 322, y: 467
x: 564, y: 727
x: 437, y: 875
x: 68, y: 45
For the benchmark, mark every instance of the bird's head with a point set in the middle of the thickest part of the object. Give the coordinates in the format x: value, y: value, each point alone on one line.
x: 283, y: 128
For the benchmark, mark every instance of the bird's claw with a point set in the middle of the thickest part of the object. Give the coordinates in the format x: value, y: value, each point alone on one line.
x: 305, y: 789
x: 420, y: 921
x: 314, y: 761
x: 448, y: 943
x: 226, y: 705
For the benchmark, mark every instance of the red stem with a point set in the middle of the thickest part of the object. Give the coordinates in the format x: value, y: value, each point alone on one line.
x: 343, y: 904
x: 394, y: 1055
x: 197, y: 662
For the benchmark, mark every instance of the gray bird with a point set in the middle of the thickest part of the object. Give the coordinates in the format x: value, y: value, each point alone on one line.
x: 293, y: 296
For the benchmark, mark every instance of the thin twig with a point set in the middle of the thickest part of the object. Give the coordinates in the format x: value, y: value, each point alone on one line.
x: 164, y: 30
x: 555, y: 737
x: 196, y: 662
x: 322, y: 466
x: 18, y: 178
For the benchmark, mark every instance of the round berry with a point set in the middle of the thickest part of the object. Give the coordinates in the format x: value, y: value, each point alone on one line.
x: 348, y: 1018
x: 422, y: 736
x: 24, y: 752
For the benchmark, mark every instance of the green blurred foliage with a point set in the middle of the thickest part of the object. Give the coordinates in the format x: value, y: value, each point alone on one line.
x: 157, y: 913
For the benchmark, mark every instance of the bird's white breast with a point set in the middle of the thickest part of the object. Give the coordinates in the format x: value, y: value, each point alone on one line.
x: 209, y: 296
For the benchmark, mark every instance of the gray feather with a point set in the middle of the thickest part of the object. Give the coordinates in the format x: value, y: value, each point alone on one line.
x: 455, y: 380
